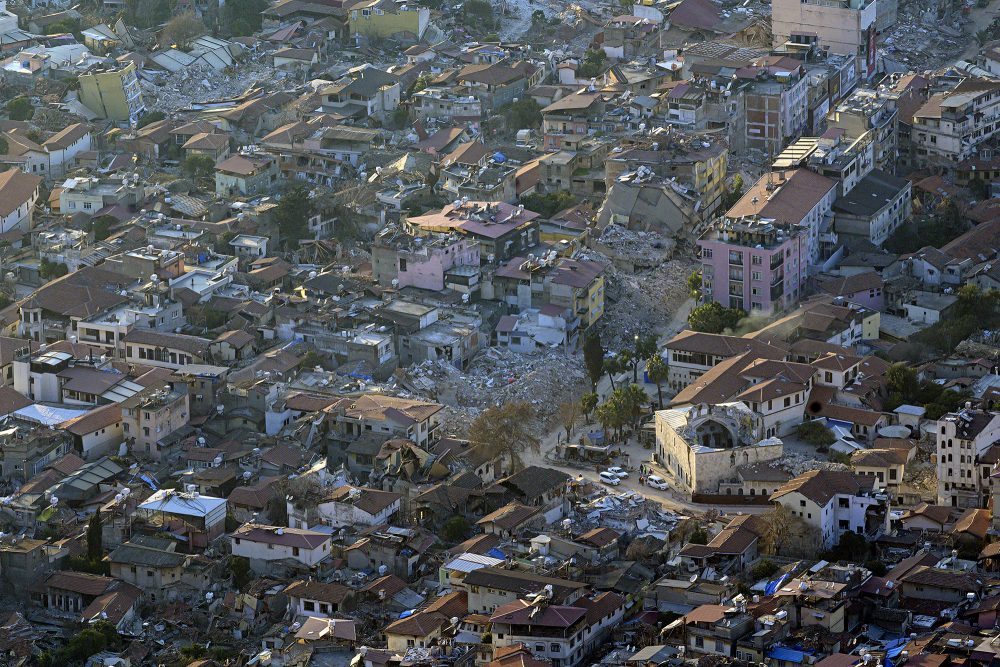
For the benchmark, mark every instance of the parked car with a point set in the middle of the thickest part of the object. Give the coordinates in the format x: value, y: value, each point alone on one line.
x: 608, y: 477
x: 657, y: 482
x: 620, y: 473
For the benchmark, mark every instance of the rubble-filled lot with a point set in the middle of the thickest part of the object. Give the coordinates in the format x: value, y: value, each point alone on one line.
x: 643, y: 303
x: 498, y: 376
x: 921, y: 41
x: 202, y: 84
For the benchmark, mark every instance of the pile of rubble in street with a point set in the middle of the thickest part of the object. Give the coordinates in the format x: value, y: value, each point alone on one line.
x: 497, y: 377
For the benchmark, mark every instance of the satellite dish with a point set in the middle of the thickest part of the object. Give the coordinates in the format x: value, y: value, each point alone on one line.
x: 694, y: 578
x: 53, y: 501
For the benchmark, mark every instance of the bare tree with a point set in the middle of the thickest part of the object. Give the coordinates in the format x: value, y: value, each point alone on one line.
x: 568, y: 412
x: 183, y: 29
x: 506, y: 430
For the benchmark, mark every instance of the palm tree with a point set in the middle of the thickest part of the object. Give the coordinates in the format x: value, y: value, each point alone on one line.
x: 658, y: 373
x: 630, y: 401
x: 613, y: 365
x: 606, y: 415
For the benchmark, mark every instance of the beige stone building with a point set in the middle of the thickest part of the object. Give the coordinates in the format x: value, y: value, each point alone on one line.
x: 701, y: 445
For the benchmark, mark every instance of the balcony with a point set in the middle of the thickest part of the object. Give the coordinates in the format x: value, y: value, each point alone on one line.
x: 736, y: 258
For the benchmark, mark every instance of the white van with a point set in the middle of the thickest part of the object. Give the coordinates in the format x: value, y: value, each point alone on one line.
x: 609, y: 478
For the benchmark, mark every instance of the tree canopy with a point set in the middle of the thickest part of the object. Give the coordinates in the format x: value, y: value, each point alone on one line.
x: 712, y: 317
x: 505, y: 430
x: 292, y: 214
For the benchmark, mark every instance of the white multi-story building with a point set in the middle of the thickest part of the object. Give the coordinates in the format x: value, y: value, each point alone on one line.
x: 951, y: 125
x: 964, y: 457
x: 845, y: 26
x: 833, y: 502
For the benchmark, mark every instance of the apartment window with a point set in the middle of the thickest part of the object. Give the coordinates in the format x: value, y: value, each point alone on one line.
x: 295, y: 551
x: 755, y: 275
x: 145, y: 431
x: 402, y: 265
x: 699, y: 642
x: 706, y: 253
x: 756, y: 260
x: 554, y: 648
x: 718, y: 646
x: 309, y: 606
x: 539, y: 648
x: 828, y: 376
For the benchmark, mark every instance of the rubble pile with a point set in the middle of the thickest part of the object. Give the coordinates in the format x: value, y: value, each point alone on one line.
x: 796, y: 463
x: 919, y: 41
x: 640, y: 248
x: 201, y: 83
x: 499, y: 376
x: 639, y: 303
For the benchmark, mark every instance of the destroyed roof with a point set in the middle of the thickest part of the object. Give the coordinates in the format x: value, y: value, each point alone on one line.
x: 579, y: 101
x: 820, y: 486
x: 139, y: 554
x: 722, y: 345
x: 244, y: 165
x: 974, y: 521
x: 113, y: 605
x: 879, y: 457
x: 491, y: 74
x: 380, y: 407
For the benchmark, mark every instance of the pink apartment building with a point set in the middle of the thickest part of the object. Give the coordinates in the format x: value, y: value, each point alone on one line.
x: 426, y: 262
x: 754, y: 264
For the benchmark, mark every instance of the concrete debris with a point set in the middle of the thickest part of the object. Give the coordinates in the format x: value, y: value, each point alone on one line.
x: 797, y: 463
x: 202, y: 83
x: 920, y: 41
x: 638, y: 303
x: 498, y: 376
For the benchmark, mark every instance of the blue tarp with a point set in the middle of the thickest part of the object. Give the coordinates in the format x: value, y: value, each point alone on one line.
x: 408, y: 612
x: 773, y: 585
x: 149, y: 481
x: 496, y: 553
x: 786, y: 654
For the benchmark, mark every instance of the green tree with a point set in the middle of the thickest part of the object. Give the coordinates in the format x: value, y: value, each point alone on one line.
x: 694, y: 283
x: 538, y: 17
x: 816, y: 434
x: 547, y: 205
x: 613, y: 366
x: 525, y: 114
x: 506, y: 431
x: 763, y: 568
x: 149, y: 118
x: 593, y: 358
x: 643, y: 348
x: 400, y: 117
x: 20, y: 108
x: 455, y: 529
x: 95, y: 538
x: 592, y: 65
x: 239, y: 567
x: 478, y: 14
x: 101, y: 226
x: 733, y: 192
x: 292, y: 214
x: 198, y: 166
x: 48, y: 269
x: 4, y: 146
x: 699, y: 536
x: 631, y: 401
x: 587, y: 404
x: 658, y: 372
x: 902, y: 379
x: 712, y: 317
x: 609, y: 416
x: 241, y: 18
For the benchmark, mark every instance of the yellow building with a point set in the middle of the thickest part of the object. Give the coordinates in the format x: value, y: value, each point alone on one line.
x: 384, y: 18
x: 112, y: 93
